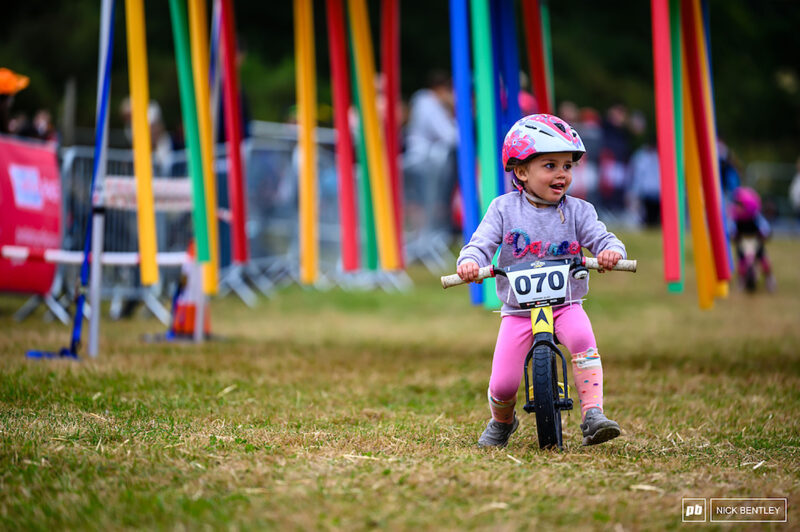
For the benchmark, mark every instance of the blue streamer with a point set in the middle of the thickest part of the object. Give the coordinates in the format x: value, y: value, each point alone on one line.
x: 462, y: 84
x: 510, y: 62
x: 98, y: 150
x: 214, y: 49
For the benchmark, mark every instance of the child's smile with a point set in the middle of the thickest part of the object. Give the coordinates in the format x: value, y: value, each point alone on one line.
x: 547, y: 176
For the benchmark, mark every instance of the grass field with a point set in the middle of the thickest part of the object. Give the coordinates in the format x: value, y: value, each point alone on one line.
x: 334, y: 410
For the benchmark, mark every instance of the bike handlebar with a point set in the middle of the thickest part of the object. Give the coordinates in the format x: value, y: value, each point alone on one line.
x: 622, y: 265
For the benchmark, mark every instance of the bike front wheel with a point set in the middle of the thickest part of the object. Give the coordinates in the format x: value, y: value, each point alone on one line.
x: 545, y: 394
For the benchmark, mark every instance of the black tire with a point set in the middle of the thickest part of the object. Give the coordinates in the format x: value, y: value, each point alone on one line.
x: 750, y: 279
x: 545, y: 393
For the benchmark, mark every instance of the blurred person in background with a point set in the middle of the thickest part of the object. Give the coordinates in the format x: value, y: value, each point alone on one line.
x: 429, y: 161
x: 590, y: 128
x: 794, y: 190
x: 10, y: 84
x: 43, y: 125
x: 527, y: 101
x: 750, y: 233
x: 614, y: 155
x: 569, y: 112
x: 729, y: 175
x: 161, y: 142
x: 644, y: 176
x: 40, y: 128
x: 584, y: 172
x: 19, y: 124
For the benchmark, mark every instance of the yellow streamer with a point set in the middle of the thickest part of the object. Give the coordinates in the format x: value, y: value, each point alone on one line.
x: 198, y: 34
x: 307, y: 120
x: 376, y: 146
x: 703, y: 260
x: 142, y: 162
x: 721, y: 288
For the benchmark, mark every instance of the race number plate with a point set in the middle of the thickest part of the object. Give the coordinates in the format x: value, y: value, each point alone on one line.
x: 539, y: 284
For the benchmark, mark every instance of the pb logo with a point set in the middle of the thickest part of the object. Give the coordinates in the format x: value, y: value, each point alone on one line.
x: 693, y: 510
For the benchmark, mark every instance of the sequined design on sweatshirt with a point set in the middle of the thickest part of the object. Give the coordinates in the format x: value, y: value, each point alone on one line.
x: 521, y: 244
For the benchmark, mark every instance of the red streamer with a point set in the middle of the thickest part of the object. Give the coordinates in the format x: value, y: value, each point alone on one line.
x: 233, y: 132
x: 665, y: 123
x: 348, y: 212
x: 704, y: 127
x: 534, y: 38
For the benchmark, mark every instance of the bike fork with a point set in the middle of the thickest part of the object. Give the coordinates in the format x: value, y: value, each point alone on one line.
x: 542, y: 323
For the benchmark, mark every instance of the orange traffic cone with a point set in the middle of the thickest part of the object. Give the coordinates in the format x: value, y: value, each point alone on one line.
x: 185, y: 307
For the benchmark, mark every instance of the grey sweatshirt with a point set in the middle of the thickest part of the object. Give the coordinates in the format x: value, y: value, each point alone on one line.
x: 529, y: 233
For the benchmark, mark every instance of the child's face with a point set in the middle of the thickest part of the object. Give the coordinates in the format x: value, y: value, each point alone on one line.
x: 547, y: 176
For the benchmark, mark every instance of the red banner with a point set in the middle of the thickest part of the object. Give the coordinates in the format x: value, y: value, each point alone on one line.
x: 30, y: 211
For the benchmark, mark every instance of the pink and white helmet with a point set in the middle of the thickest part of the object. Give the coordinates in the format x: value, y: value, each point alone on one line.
x: 535, y: 134
x: 746, y: 204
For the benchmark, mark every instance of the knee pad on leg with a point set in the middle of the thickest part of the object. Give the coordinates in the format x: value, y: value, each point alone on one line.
x: 587, y: 359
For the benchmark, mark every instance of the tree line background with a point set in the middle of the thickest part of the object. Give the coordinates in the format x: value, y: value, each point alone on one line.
x: 601, y: 56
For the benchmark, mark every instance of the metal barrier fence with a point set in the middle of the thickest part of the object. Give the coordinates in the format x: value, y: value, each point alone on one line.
x: 271, y: 196
x: 120, y: 283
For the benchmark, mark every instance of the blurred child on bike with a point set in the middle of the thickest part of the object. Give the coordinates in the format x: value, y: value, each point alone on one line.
x: 539, y: 221
x: 750, y: 231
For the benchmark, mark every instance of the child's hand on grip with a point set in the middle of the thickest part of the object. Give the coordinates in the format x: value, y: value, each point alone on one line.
x: 607, y: 259
x: 468, y: 271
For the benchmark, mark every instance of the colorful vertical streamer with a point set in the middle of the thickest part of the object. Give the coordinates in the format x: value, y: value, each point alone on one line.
x: 547, y: 47
x: 177, y: 9
x: 534, y: 38
x: 232, y: 106
x: 708, y: 96
x: 95, y: 235
x: 376, y: 150
x: 692, y: 30
x: 680, y: 162
x: 365, y: 206
x: 307, y: 120
x: 662, y: 65
x: 488, y: 150
x: 462, y: 84
x: 509, y: 63
x: 337, y: 47
x: 142, y: 156
x: 499, y: 96
x: 390, y: 60
x: 703, y: 259
x: 198, y: 35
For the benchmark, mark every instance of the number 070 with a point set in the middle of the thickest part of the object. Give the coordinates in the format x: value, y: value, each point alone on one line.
x: 555, y: 281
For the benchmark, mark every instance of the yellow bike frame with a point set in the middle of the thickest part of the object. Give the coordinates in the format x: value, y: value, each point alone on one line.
x: 542, y: 320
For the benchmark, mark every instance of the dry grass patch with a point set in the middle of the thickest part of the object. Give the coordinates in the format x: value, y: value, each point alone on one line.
x: 356, y: 410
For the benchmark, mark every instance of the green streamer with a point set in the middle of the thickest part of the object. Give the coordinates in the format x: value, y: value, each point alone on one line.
x: 486, y: 120
x: 369, y: 249
x: 680, y: 165
x: 180, y: 32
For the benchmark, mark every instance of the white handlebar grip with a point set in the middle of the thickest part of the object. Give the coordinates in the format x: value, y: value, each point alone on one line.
x: 455, y: 280
x: 622, y: 265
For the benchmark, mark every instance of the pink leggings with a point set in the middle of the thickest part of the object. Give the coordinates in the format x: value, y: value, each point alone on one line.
x: 574, y: 330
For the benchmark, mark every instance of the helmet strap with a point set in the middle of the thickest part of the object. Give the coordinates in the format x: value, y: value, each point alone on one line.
x: 533, y: 198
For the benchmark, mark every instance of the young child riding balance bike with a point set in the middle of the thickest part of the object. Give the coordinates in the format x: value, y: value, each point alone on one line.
x: 540, y: 221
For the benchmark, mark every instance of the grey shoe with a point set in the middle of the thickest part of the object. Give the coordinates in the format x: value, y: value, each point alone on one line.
x: 597, y: 428
x: 497, y: 434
